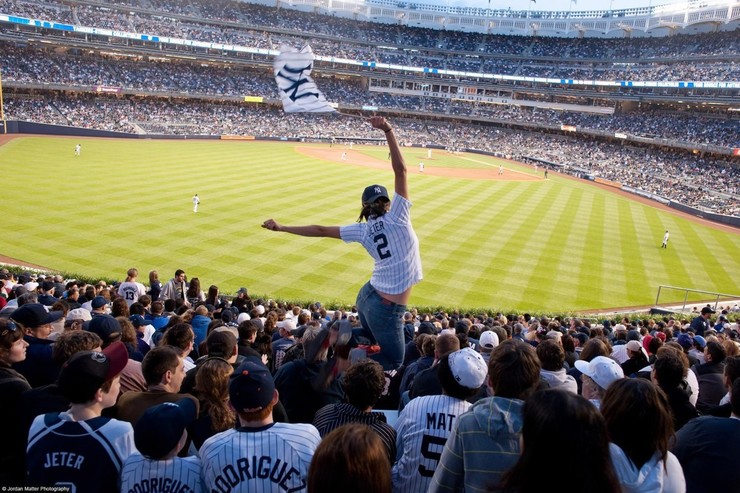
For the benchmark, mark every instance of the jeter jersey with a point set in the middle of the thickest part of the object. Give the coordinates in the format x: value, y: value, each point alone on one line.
x: 422, y: 429
x: 259, y: 460
x: 86, y: 456
x: 176, y: 475
x: 392, y: 243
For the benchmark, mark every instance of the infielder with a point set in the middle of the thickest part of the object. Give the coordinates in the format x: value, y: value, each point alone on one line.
x: 501, y: 169
x: 260, y: 456
x: 665, y: 239
x: 421, y: 167
x: 196, y: 201
x: 391, y: 241
x: 425, y: 423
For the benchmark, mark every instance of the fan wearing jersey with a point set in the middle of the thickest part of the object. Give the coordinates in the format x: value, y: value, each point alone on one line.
x: 260, y: 456
x: 159, y: 434
x: 425, y: 423
x: 389, y: 238
x: 131, y: 289
x: 79, y: 449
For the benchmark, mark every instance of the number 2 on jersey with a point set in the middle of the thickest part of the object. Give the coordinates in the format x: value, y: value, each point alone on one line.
x: 381, y: 245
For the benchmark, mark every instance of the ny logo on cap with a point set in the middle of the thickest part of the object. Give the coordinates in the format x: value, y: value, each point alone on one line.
x: 378, y: 190
x: 98, y: 357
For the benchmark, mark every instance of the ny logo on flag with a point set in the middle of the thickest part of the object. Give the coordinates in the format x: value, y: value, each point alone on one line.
x: 295, y: 77
x: 298, y: 91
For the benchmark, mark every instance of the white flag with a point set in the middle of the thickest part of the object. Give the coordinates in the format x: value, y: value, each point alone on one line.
x: 297, y: 89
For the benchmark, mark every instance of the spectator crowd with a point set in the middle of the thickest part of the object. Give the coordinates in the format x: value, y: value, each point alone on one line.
x: 127, y: 386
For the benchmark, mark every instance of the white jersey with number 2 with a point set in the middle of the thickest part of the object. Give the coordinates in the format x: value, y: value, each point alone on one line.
x: 392, y: 243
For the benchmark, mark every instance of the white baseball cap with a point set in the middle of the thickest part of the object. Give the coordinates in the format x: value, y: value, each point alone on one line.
x: 602, y: 370
x: 488, y: 339
x: 468, y: 367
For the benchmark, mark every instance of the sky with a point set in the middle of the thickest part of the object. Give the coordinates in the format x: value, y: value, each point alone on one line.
x: 552, y: 4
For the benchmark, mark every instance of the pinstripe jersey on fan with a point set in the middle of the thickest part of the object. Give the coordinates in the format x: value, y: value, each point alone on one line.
x: 422, y: 429
x: 392, y: 243
x: 259, y: 460
x: 179, y: 474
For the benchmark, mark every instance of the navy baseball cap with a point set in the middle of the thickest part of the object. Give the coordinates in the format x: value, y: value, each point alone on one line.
x: 105, y: 326
x: 252, y: 387
x: 160, y: 428
x: 32, y: 315
x: 373, y: 193
x: 98, y: 302
x: 138, y: 321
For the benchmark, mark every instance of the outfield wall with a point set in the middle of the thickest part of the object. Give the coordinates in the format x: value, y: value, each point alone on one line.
x: 23, y: 127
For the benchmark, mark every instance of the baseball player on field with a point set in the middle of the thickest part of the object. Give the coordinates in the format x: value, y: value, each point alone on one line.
x: 159, y: 434
x: 389, y: 238
x: 425, y: 423
x: 260, y: 456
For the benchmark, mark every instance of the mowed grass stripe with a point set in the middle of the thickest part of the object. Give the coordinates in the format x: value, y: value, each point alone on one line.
x: 127, y: 203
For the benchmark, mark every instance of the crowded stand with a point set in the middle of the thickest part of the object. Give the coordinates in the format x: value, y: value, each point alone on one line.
x: 36, y: 66
x: 648, y: 59
x: 182, y: 387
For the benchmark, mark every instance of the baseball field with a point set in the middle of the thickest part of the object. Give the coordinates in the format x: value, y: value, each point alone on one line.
x: 488, y: 240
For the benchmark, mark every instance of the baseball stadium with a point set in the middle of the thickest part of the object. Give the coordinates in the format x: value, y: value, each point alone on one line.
x: 546, y: 198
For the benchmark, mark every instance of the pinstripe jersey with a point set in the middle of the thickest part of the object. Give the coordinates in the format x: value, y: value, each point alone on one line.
x: 259, y: 460
x: 86, y: 455
x: 392, y: 243
x: 176, y: 475
x: 333, y: 416
x: 422, y: 429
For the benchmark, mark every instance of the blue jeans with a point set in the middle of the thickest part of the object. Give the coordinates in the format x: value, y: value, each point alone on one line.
x: 382, y: 323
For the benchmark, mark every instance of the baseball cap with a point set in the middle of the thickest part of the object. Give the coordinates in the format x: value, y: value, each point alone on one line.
x: 468, y: 367
x: 489, y: 339
x: 32, y: 315
x: 160, y: 428
x: 87, y: 371
x: 260, y: 309
x: 31, y: 285
x: 242, y: 290
x: 373, y: 193
x: 243, y: 317
x: 138, y: 321
x: 707, y: 309
x: 47, y: 285
x: 79, y: 314
x: 684, y: 340
x: 602, y: 370
x: 105, y: 326
x: 98, y: 302
x: 700, y: 341
x: 634, y: 346
x: 426, y: 328
x: 288, y: 325
x: 251, y: 388
x: 619, y: 327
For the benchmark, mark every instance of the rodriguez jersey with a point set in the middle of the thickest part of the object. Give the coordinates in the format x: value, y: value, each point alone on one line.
x: 179, y: 474
x: 259, y: 460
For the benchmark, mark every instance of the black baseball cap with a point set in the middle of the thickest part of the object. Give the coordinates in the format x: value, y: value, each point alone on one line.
x: 373, y: 193
x: 707, y: 309
x: 87, y: 371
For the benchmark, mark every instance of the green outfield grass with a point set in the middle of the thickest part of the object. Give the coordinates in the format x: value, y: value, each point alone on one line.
x: 554, y: 244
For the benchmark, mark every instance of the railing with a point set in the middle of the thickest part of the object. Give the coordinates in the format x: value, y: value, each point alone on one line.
x: 717, y: 296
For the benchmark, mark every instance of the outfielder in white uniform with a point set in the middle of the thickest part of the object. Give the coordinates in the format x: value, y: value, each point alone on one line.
x: 391, y: 241
x: 665, y: 239
x: 78, y: 149
x: 425, y: 423
x: 196, y: 201
x: 421, y: 167
x: 260, y: 456
x: 159, y: 434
